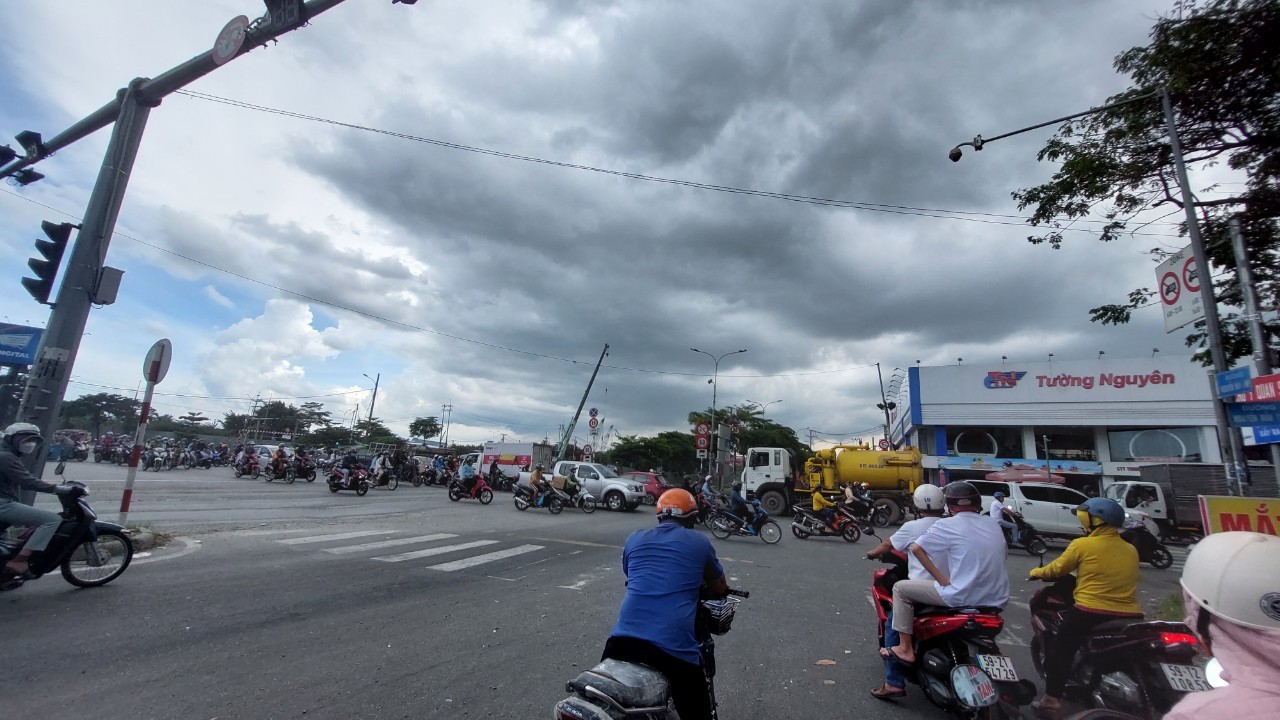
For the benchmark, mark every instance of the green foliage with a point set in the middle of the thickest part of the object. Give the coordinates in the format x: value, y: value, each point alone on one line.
x: 102, y: 412
x: 425, y: 427
x: 1219, y: 61
x: 674, y: 452
x: 373, y: 431
x: 670, y: 451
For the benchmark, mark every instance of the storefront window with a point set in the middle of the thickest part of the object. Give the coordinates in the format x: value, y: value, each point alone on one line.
x: 1066, y: 443
x: 1167, y: 445
x: 1003, y: 442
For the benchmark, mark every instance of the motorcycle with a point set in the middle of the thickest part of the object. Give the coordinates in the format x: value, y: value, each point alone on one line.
x: 551, y: 499
x: 619, y: 689
x: 959, y: 666
x: 725, y: 524
x: 501, y: 481
x: 187, y: 459
x: 865, y: 524
x: 805, y: 522
x: 249, y: 467
x: 385, y: 477
x: 479, y: 491
x: 1028, y: 537
x: 1142, y: 667
x: 1150, y: 549
x: 81, y: 451
x: 89, y: 552
x: 359, y: 480
x: 284, y: 471
x: 303, y: 468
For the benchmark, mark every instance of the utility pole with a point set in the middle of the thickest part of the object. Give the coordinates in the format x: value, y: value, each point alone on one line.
x: 375, y: 394
x: 447, y: 411
x: 1261, y: 352
x: 567, y: 437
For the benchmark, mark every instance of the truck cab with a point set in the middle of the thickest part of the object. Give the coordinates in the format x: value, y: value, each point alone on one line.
x: 768, y: 476
x: 1143, y: 497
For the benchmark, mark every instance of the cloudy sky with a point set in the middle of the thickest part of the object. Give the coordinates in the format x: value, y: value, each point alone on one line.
x: 288, y: 257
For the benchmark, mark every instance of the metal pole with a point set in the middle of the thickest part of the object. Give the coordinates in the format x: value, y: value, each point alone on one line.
x: 1207, y: 297
x: 139, y: 440
x: 884, y: 404
x: 374, y: 399
x: 1261, y: 353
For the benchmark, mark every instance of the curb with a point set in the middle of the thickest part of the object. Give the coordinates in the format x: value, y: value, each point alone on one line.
x: 142, y: 540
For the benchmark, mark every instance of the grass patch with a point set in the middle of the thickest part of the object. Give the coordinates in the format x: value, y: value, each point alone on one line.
x: 1170, y: 608
x: 162, y: 538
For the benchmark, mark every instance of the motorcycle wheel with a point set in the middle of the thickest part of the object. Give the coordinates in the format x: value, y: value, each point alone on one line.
x: 1037, y: 546
x: 1161, y: 558
x: 799, y: 532
x: 1037, y: 655
x: 770, y: 532
x: 111, y: 553
x: 554, y: 506
x: 270, y: 475
x: 362, y: 487
x: 393, y: 482
x: 455, y: 494
x: 881, y: 516
x: 311, y: 475
x: 255, y: 473
x: 851, y: 533
x: 239, y: 474
x: 486, y: 496
x: 721, y: 527
x: 290, y: 476
x: 520, y: 502
x: 333, y: 488
x: 589, y: 506
x: 417, y: 481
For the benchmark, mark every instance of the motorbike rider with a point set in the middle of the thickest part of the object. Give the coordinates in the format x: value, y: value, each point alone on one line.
x: 824, y: 509
x: 468, y: 476
x: 929, y: 503
x: 535, y: 483
x: 278, y: 460
x: 494, y: 470
x: 1106, y: 568
x: 666, y: 567
x: 571, y: 484
x: 739, y: 507
x: 970, y: 551
x: 996, y: 511
x: 348, y: 462
x: 1229, y: 586
x: 21, y: 439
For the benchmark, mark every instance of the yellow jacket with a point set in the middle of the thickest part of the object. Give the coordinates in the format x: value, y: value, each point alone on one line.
x: 1106, y: 568
x: 820, y: 502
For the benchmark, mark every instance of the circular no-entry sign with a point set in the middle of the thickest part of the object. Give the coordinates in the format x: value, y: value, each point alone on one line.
x: 1170, y: 288
x: 1190, y: 277
x: 230, y: 39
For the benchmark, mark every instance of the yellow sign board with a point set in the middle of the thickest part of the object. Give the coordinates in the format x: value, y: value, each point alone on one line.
x: 1251, y: 514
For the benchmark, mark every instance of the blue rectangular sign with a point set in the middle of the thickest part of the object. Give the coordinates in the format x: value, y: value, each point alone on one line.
x: 1266, y: 434
x: 1234, y: 382
x: 18, y: 344
x: 1254, y: 414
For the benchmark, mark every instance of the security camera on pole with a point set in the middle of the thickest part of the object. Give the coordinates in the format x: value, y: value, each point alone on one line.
x: 154, y: 368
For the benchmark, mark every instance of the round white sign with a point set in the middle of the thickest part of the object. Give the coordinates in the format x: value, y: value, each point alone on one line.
x: 156, y: 365
x: 230, y: 40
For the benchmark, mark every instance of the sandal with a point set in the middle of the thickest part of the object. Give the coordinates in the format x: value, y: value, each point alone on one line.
x: 885, y: 692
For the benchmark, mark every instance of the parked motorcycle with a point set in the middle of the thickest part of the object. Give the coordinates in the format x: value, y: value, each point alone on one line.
x: 1142, y: 667
x: 1150, y: 549
x: 358, y: 481
x: 805, y: 523
x: 249, y: 467
x: 725, y: 524
x: 89, y: 552
x: 1028, y: 537
x: 618, y: 689
x: 551, y: 499
x: 959, y: 666
x: 479, y: 491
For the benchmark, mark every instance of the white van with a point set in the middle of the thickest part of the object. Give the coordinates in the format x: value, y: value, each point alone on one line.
x: 1051, y: 509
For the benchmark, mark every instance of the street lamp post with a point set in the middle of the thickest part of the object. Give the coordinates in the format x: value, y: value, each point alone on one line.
x: 1212, y: 330
x: 763, y: 406
x: 374, y: 399
x: 715, y: 377
x: 884, y: 405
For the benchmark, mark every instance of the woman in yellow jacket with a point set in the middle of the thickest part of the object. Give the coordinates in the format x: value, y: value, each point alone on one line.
x: 1106, y: 568
x: 824, y: 509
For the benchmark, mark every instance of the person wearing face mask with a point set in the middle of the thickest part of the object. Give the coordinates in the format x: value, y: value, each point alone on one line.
x: 1231, y: 587
x: 24, y: 439
x: 1106, y: 568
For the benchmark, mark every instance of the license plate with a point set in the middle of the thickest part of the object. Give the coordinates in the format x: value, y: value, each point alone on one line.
x: 998, y: 667
x: 1186, y: 678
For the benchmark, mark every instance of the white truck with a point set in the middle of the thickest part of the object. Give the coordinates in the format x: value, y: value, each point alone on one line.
x: 605, y: 485
x: 514, y: 457
x: 1169, y: 494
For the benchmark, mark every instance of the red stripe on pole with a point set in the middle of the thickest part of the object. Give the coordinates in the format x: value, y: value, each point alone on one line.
x: 133, y: 456
x: 124, y: 500
x: 154, y: 372
x: 146, y: 412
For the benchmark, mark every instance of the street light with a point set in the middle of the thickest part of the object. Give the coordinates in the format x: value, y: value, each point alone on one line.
x: 884, y: 405
x: 374, y: 399
x: 764, y: 406
x: 1207, y: 298
x: 714, y: 386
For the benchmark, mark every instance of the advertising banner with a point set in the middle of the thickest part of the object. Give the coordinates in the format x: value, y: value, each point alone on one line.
x: 18, y: 344
x: 1250, y: 514
x: 1021, y: 469
x: 1142, y: 379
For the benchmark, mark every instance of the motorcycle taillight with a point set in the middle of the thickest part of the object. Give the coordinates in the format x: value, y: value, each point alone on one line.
x: 1177, y: 638
x: 989, y: 621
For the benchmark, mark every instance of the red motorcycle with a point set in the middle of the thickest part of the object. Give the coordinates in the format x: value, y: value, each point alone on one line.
x: 249, y: 467
x: 479, y: 491
x: 358, y: 480
x: 959, y: 666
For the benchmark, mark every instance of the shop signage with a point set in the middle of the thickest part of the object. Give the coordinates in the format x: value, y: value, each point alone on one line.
x: 1250, y: 514
x: 1253, y: 414
x: 1234, y: 382
x: 1158, y: 379
x: 1014, y: 469
x: 18, y: 344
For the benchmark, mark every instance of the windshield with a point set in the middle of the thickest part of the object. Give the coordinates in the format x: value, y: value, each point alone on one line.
x: 1115, y: 491
x: 605, y: 472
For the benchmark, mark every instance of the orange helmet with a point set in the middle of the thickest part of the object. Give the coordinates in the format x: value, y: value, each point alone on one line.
x: 676, y: 503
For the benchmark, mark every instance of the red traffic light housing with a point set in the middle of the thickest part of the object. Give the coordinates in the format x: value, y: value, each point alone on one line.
x: 47, y: 269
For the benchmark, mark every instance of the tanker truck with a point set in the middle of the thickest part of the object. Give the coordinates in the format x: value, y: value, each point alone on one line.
x: 771, y: 477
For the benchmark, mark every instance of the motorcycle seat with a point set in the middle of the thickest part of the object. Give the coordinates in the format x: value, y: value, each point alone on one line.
x: 926, y: 610
x: 630, y: 684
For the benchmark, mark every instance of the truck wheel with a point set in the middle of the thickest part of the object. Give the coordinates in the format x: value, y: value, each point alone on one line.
x: 614, y: 501
x: 773, y: 502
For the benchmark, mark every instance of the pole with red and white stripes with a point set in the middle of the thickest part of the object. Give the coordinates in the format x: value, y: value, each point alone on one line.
x: 153, y: 371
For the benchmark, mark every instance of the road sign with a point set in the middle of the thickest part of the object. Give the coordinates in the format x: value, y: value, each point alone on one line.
x: 18, y: 344
x: 703, y: 428
x: 702, y: 442
x: 1234, y: 382
x: 702, y: 453
x: 586, y: 449
x: 1261, y: 435
x: 1178, y: 283
x: 1252, y: 414
x: 1266, y: 388
x: 593, y: 412
x: 229, y: 40
x: 594, y: 423
x: 884, y: 444
x: 156, y: 365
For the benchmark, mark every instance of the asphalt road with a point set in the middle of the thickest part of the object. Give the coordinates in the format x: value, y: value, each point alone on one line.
x: 292, y: 602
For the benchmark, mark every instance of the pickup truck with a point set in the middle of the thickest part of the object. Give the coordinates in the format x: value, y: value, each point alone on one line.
x: 1050, y: 508
x: 617, y: 493
x: 1169, y: 494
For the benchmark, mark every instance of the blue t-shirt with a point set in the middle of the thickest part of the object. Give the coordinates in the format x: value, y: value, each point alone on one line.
x: 665, y: 568
x: 468, y: 472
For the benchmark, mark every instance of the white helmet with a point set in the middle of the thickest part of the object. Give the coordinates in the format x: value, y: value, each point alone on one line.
x: 707, y: 478
x: 928, y: 497
x: 1235, y: 576
x: 21, y: 433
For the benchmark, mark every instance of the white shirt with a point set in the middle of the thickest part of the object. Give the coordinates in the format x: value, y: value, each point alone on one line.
x: 996, y: 510
x: 907, y: 534
x: 971, y: 548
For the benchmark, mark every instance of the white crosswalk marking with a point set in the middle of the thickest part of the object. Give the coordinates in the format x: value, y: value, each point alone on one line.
x: 482, y: 559
x: 388, y: 543
x: 435, y: 551
x: 327, y: 538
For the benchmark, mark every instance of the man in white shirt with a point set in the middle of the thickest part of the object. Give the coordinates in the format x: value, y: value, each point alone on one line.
x: 965, y: 556
x: 997, y: 513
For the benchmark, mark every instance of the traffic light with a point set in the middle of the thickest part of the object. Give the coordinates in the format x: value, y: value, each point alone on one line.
x: 47, y: 269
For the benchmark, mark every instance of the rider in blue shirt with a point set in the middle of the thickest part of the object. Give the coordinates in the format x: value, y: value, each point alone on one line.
x: 666, y: 568
x: 468, y: 475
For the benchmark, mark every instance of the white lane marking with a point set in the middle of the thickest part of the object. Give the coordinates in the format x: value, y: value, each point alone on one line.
x: 388, y: 543
x: 435, y: 551
x: 188, y: 547
x: 327, y: 538
x: 486, y: 558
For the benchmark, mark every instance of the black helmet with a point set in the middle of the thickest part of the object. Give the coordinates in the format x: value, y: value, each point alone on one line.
x: 962, y: 495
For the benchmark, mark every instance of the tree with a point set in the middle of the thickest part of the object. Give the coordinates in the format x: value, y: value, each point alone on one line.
x: 373, y: 431
x: 425, y: 427
x: 1218, y: 59
x: 312, y: 415
x: 116, y: 412
x: 235, y: 423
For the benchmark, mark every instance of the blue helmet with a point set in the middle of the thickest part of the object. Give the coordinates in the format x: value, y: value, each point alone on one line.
x: 1108, y: 511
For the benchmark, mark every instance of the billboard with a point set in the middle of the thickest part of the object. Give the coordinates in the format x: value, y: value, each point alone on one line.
x: 18, y: 344
x: 1079, y: 381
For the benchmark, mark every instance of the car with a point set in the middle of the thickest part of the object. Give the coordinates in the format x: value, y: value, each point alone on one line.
x: 605, y: 485
x: 1050, y: 508
x: 266, y: 451
x: 654, y: 484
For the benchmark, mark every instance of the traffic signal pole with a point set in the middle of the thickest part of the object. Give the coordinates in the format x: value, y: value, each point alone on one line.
x: 55, y: 358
